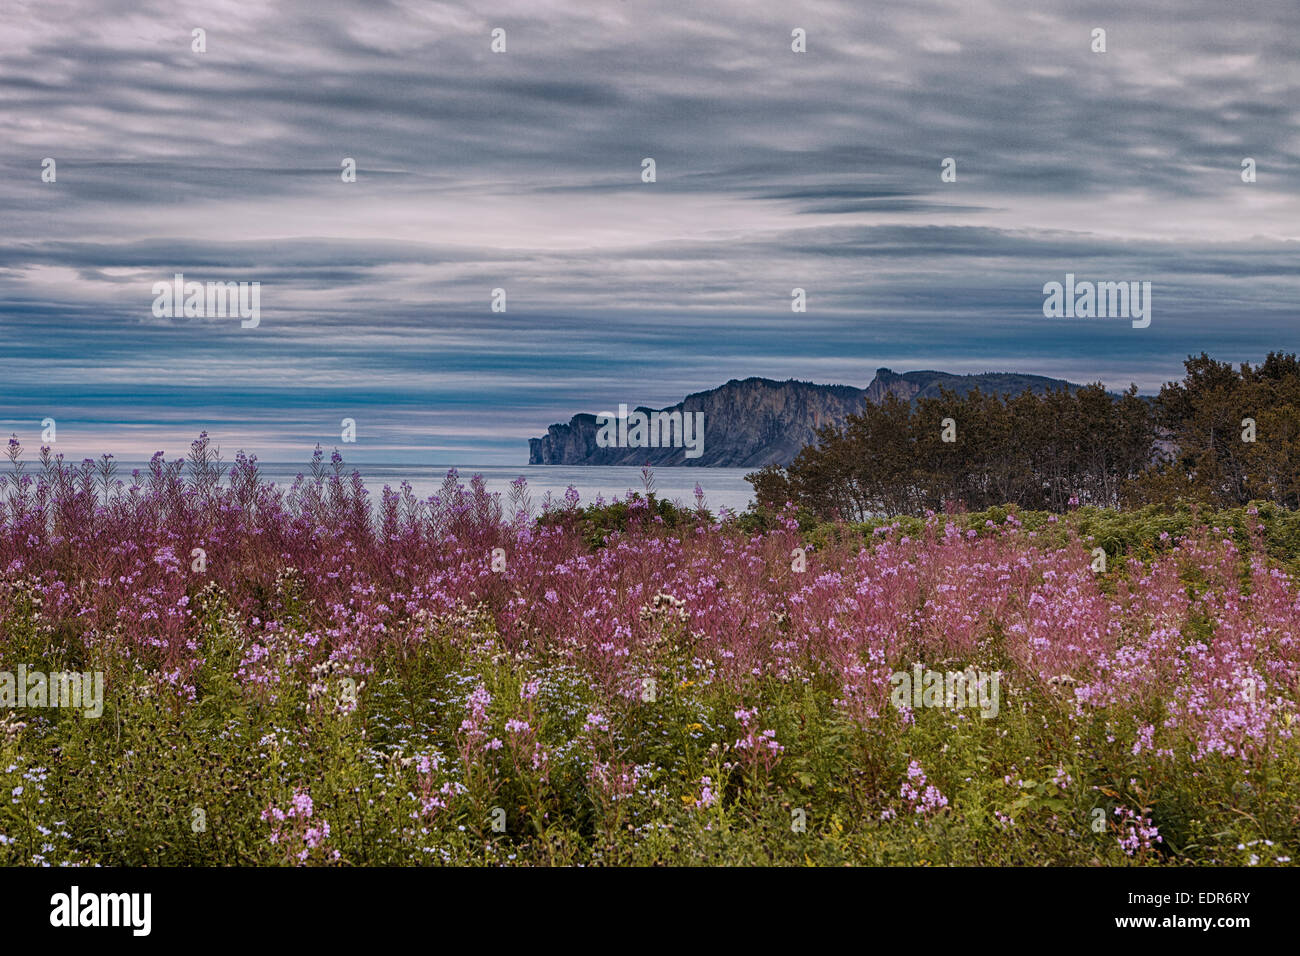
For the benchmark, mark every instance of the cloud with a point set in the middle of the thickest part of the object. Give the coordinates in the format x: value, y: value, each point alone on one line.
x: 522, y: 171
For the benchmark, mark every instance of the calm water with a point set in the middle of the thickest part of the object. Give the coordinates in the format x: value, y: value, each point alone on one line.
x: 723, y: 487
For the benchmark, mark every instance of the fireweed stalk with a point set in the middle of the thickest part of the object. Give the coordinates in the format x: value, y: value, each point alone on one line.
x: 612, y: 779
x: 531, y: 760
x: 478, y: 751
x: 297, y: 834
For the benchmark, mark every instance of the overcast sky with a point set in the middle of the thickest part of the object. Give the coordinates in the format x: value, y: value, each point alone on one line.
x: 522, y: 170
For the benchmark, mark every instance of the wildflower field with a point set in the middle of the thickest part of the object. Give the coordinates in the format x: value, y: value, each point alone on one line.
x: 305, y: 675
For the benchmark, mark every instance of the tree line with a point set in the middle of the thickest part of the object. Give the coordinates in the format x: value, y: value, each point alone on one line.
x: 1223, y: 435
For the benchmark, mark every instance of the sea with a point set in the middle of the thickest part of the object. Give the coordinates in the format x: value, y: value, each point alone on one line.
x: 722, y: 487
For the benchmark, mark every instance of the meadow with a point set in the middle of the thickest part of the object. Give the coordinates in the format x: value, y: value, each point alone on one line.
x: 308, y: 676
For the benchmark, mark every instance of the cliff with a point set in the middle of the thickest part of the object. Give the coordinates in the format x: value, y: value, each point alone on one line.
x: 756, y: 422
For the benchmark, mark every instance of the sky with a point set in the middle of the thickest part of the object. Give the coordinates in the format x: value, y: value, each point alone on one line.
x: 522, y: 170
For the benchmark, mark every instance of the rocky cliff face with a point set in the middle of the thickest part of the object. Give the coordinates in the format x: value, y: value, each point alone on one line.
x: 756, y: 422
x: 913, y: 385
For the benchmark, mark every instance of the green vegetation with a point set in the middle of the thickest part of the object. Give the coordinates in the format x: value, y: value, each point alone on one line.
x: 1221, y: 437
